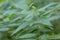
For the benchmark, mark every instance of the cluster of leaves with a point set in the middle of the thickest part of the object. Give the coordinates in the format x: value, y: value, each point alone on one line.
x: 28, y: 19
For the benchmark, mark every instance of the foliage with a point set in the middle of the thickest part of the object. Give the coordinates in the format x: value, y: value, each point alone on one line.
x: 29, y: 19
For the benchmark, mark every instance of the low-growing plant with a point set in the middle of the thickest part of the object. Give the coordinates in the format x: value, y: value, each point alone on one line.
x: 28, y: 20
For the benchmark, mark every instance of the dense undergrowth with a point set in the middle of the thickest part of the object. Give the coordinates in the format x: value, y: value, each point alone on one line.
x: 29, y: 19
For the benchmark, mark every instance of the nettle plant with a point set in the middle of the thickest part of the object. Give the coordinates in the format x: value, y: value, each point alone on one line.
x: 24, y: 20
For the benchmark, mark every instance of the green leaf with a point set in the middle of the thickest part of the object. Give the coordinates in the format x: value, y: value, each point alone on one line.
x: 54, y: 18
x: 22, y: 26
x: 31, y: 35
x: 43, y: 37
x: 44, y: 21
x: 54, y: 36
x: 4, y: 29
x: 20, y: 4
x: 41, y: 9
